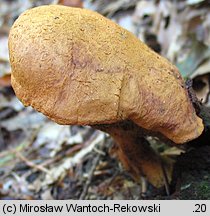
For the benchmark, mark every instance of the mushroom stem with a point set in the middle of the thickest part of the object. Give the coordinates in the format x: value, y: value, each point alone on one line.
x: 136, y: 154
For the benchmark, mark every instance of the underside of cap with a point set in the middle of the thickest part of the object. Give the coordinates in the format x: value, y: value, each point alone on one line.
x: 77, y: 67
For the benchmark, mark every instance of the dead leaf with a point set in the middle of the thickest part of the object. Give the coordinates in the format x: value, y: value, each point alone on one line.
x: 47, y: 195
x: 23, y: 121
x: 206, y: 29
x: 5, y: 81
x: 198, y: 54
x: 201, y: 87
x: 71, y: 3
x: 58, y: 172
x: 193, y: 2
x: 203, y: 69
x: 173, y: 151
x: 53, y: 136
x: 4, y: 53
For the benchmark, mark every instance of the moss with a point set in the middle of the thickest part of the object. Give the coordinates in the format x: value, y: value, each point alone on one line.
x: 203, y: 190
x: 194, y: 188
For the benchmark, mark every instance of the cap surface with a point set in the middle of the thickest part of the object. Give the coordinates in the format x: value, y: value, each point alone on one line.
x: 78, y: 67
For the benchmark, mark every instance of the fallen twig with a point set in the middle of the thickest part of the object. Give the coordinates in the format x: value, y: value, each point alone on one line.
x: 90, y: 176
x: 30, y: 163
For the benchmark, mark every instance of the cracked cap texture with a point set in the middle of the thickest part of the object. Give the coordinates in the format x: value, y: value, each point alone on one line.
x: 78, y: 67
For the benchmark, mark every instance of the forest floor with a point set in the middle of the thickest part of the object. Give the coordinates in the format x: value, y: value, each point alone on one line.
x: 40, y: 159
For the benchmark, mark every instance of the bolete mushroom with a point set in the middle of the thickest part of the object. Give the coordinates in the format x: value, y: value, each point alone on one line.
x: 79, y: 68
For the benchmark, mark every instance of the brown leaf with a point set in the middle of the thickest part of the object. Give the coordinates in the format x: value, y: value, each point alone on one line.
x: 71, y: 3
x: 5, y: 81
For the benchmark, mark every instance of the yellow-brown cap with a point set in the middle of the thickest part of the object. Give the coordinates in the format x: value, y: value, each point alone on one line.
x: 78, y: 67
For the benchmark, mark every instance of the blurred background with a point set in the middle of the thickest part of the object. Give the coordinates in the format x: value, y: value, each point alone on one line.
x: 40, y: 159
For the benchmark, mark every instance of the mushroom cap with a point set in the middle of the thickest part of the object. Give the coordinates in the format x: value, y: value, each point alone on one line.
x: 78, y: 67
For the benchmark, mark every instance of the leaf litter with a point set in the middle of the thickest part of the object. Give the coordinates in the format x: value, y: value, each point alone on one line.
x: 42, y: 160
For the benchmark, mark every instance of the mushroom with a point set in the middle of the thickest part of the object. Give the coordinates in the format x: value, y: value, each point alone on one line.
x: 79, y: 68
